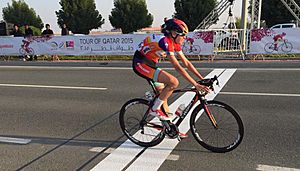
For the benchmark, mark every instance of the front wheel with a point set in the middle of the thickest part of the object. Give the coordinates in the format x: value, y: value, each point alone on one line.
x: 138, y: 126
x: 287, y: 47
x: 223, y: 136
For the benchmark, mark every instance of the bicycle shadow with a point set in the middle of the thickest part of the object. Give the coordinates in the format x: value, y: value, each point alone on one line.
x: 65, y: 141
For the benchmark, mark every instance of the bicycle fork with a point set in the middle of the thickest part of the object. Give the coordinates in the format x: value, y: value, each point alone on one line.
x: 210, y: 115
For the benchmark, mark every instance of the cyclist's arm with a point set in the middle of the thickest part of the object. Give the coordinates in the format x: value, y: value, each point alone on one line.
x: 189, y: 65
x: 180, y: 69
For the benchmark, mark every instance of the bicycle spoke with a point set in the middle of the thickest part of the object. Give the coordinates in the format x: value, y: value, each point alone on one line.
x: 221, y: 121
x: 228, y: 133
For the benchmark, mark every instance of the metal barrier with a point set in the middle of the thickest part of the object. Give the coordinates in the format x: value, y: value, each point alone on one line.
x: 228, y: 42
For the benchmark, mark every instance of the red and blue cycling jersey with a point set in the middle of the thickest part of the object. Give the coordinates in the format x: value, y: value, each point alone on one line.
x: 158, y: 46
x: 151, y: 49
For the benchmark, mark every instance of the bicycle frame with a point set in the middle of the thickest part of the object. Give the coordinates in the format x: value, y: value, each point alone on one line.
x: 190, y: 105
x: 185, y: 112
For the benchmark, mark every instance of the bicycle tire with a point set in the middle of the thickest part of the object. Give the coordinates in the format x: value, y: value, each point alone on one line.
x: 22, y: 51
x: 196, y: 49
x: 184, y: 49
x: 269, y: 47
x: 222, y: 113
x: 286, y: 47
x: 136, y: 123
x: 31, y: 51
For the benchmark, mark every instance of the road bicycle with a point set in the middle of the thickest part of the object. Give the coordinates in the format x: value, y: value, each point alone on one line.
x: 195, y: 49
x: 215, y: 125
x: 284, y: 46
x: 26, y: 51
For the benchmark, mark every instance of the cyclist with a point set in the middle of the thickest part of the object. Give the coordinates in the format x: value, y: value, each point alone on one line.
x: 168, y: 45
x: 25, y: 44
x: 278, y: 38
x: 190, y: 42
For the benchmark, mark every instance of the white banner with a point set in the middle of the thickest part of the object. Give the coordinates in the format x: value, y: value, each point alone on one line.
x: 122, y: 44
x: 199, y: 43
x: 275, y: 41
x: 70, y: 45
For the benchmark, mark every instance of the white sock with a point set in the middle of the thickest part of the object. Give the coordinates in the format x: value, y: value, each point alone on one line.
x: 157, y: 104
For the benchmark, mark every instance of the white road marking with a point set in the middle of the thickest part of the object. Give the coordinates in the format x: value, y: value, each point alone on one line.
x: 99, y: 149
x: 269, y: 69
x: 109, y: 150
x: 130, y: 68
x: 260, y: 94
x: 81, y: 68
x: 54, y: 87
x: 128, y: 151
x: 14, y: 140
x: 66, y: 67
x: 274, y: 168
x: 173, y: 157
x: 120, y: 157
x: 96, y: 149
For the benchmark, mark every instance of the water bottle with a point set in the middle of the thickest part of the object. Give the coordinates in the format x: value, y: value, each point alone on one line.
x: 180, y: 110
x: 149, y: 95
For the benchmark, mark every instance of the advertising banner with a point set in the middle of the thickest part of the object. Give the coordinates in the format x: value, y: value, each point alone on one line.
x: 197, y: 43
x: 275, y: 41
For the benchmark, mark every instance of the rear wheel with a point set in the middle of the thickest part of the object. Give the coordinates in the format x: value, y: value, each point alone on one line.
x: 229, y: 131
x: 269, y: 47
x: 138, y: 126
x: 184, y: 49
x: 196, y: 49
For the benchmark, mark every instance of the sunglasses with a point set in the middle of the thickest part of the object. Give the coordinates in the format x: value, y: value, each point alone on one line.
x: 181, y: 34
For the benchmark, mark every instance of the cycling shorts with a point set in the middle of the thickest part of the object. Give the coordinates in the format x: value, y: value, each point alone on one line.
x: 146, y: 68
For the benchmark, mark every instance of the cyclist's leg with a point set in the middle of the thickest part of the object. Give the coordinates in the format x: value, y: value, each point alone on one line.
x: 159, y: 87
x: 170, y: 82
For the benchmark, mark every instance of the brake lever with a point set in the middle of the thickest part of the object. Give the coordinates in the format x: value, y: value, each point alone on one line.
x: 216, y: 78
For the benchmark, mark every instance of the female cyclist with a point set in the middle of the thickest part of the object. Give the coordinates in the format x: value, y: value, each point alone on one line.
x: 156, y: 46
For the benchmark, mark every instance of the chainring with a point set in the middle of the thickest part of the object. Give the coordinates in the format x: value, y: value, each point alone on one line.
x: 171, y: 130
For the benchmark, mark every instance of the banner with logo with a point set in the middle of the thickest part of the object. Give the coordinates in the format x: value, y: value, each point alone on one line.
x: 197, y: 43
x: 275, y: 41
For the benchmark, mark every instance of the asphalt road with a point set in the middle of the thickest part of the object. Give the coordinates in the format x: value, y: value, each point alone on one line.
x: 71, y: 128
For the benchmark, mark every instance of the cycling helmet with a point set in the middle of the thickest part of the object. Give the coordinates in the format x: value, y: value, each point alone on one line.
x: 176, y: 25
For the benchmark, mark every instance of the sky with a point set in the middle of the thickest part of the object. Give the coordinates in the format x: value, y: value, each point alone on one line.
x: 158, y: 8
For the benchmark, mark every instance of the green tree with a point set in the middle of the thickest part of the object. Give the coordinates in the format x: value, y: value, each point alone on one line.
x: 192, y: 12
x: 130, y: 15
x: 80, y: 16
x: 20, y: 13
